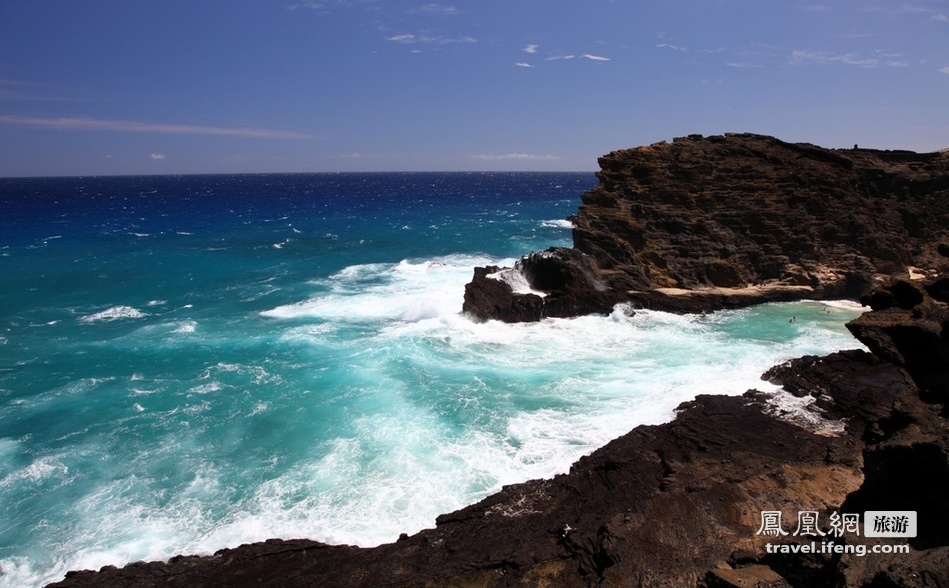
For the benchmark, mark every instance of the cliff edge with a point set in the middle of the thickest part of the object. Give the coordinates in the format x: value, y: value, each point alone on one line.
x: 704, y: 223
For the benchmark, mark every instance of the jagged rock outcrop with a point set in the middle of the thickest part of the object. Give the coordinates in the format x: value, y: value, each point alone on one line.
x: 563, y: 283
x: 678, y: 504
x: 712, y: 222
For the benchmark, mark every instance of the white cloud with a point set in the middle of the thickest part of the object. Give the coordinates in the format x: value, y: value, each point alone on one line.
x: 437, y: 9
x: 945, y: 70
x: 827, y: 58
x: 939, y: 18
x: 157, y: 156
x: 531, y: 48
x: 516, y: 156
x: 595, y: 57
x: 523, y: 64
x: 410, y: 39
x: 127, y: 126
x: 557, y: 57
x: 670, y: 46
x: 310, y: 5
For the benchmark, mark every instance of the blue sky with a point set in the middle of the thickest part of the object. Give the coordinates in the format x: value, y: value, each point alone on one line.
x: 208, y: 86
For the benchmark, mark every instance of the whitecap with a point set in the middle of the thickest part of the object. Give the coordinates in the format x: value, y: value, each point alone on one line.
x: 40, y: 470
x: 206, y: 388
x: 114, y: 313
x: 407, y: 290
x: 557, y: 223
x: 186, y: 327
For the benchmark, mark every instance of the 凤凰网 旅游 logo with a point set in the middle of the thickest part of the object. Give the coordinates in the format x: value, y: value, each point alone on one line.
x: 889, y: 523
x: 847, y: 527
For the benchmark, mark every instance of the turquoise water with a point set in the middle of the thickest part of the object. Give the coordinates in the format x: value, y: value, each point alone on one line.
x: 190, y: 363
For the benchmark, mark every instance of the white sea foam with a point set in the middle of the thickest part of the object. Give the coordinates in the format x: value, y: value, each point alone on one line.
x: 434, y: 411
x: 558, y: 223
x: 516, y: 279
x: 186, y: 327
x: 208, y: 388
x: 38, y: 471
x: 408, y: 290
x: 802, y: 412
x: 114, y: 313
x: 844, y: 304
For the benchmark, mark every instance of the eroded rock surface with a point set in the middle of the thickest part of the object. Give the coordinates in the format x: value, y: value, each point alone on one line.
x: 704, y: 223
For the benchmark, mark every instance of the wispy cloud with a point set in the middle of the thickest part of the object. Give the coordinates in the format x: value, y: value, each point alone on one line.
x: 515, y: 156
x: 309, y: 5
x: 559, y: 57
x: 901, y: 9
x: 531, y: 49
x: 805, y: 56
x: 323, y: 5
x: 410, y: 39
x: 157, y: 156
x: 594, y: 57
x: 939, y: 18
x: 523, y: 64
x: 670, y: 46
x: 126, y: 126
x: 433, y: 8
x: 945, y: 70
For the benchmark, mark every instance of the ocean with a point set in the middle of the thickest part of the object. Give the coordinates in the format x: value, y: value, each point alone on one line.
x: 194, y: 362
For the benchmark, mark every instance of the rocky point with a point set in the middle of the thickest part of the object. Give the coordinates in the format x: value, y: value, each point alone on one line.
x: 703, y: 223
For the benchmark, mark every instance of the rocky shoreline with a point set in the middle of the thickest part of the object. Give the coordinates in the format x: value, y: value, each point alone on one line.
x: 683, y: 503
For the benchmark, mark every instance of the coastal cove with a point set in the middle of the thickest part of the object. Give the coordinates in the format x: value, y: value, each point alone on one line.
x: 193, y: 363
x: 617, y: 407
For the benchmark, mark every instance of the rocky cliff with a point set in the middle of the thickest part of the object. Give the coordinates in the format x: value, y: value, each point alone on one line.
x: 706, y: 223
x: 680, y: 504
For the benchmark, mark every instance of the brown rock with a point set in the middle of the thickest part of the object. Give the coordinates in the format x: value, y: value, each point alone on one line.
x: 709, y: 217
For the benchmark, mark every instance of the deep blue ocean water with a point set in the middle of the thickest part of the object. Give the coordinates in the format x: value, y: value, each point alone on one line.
x: 193, y: 362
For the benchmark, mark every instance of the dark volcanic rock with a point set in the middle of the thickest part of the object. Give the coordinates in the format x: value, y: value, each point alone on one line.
x: 689, y: 225
x: 910, y: 328
x: 488, y: 296
x: 566, y: 277
x: 748, y: 209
